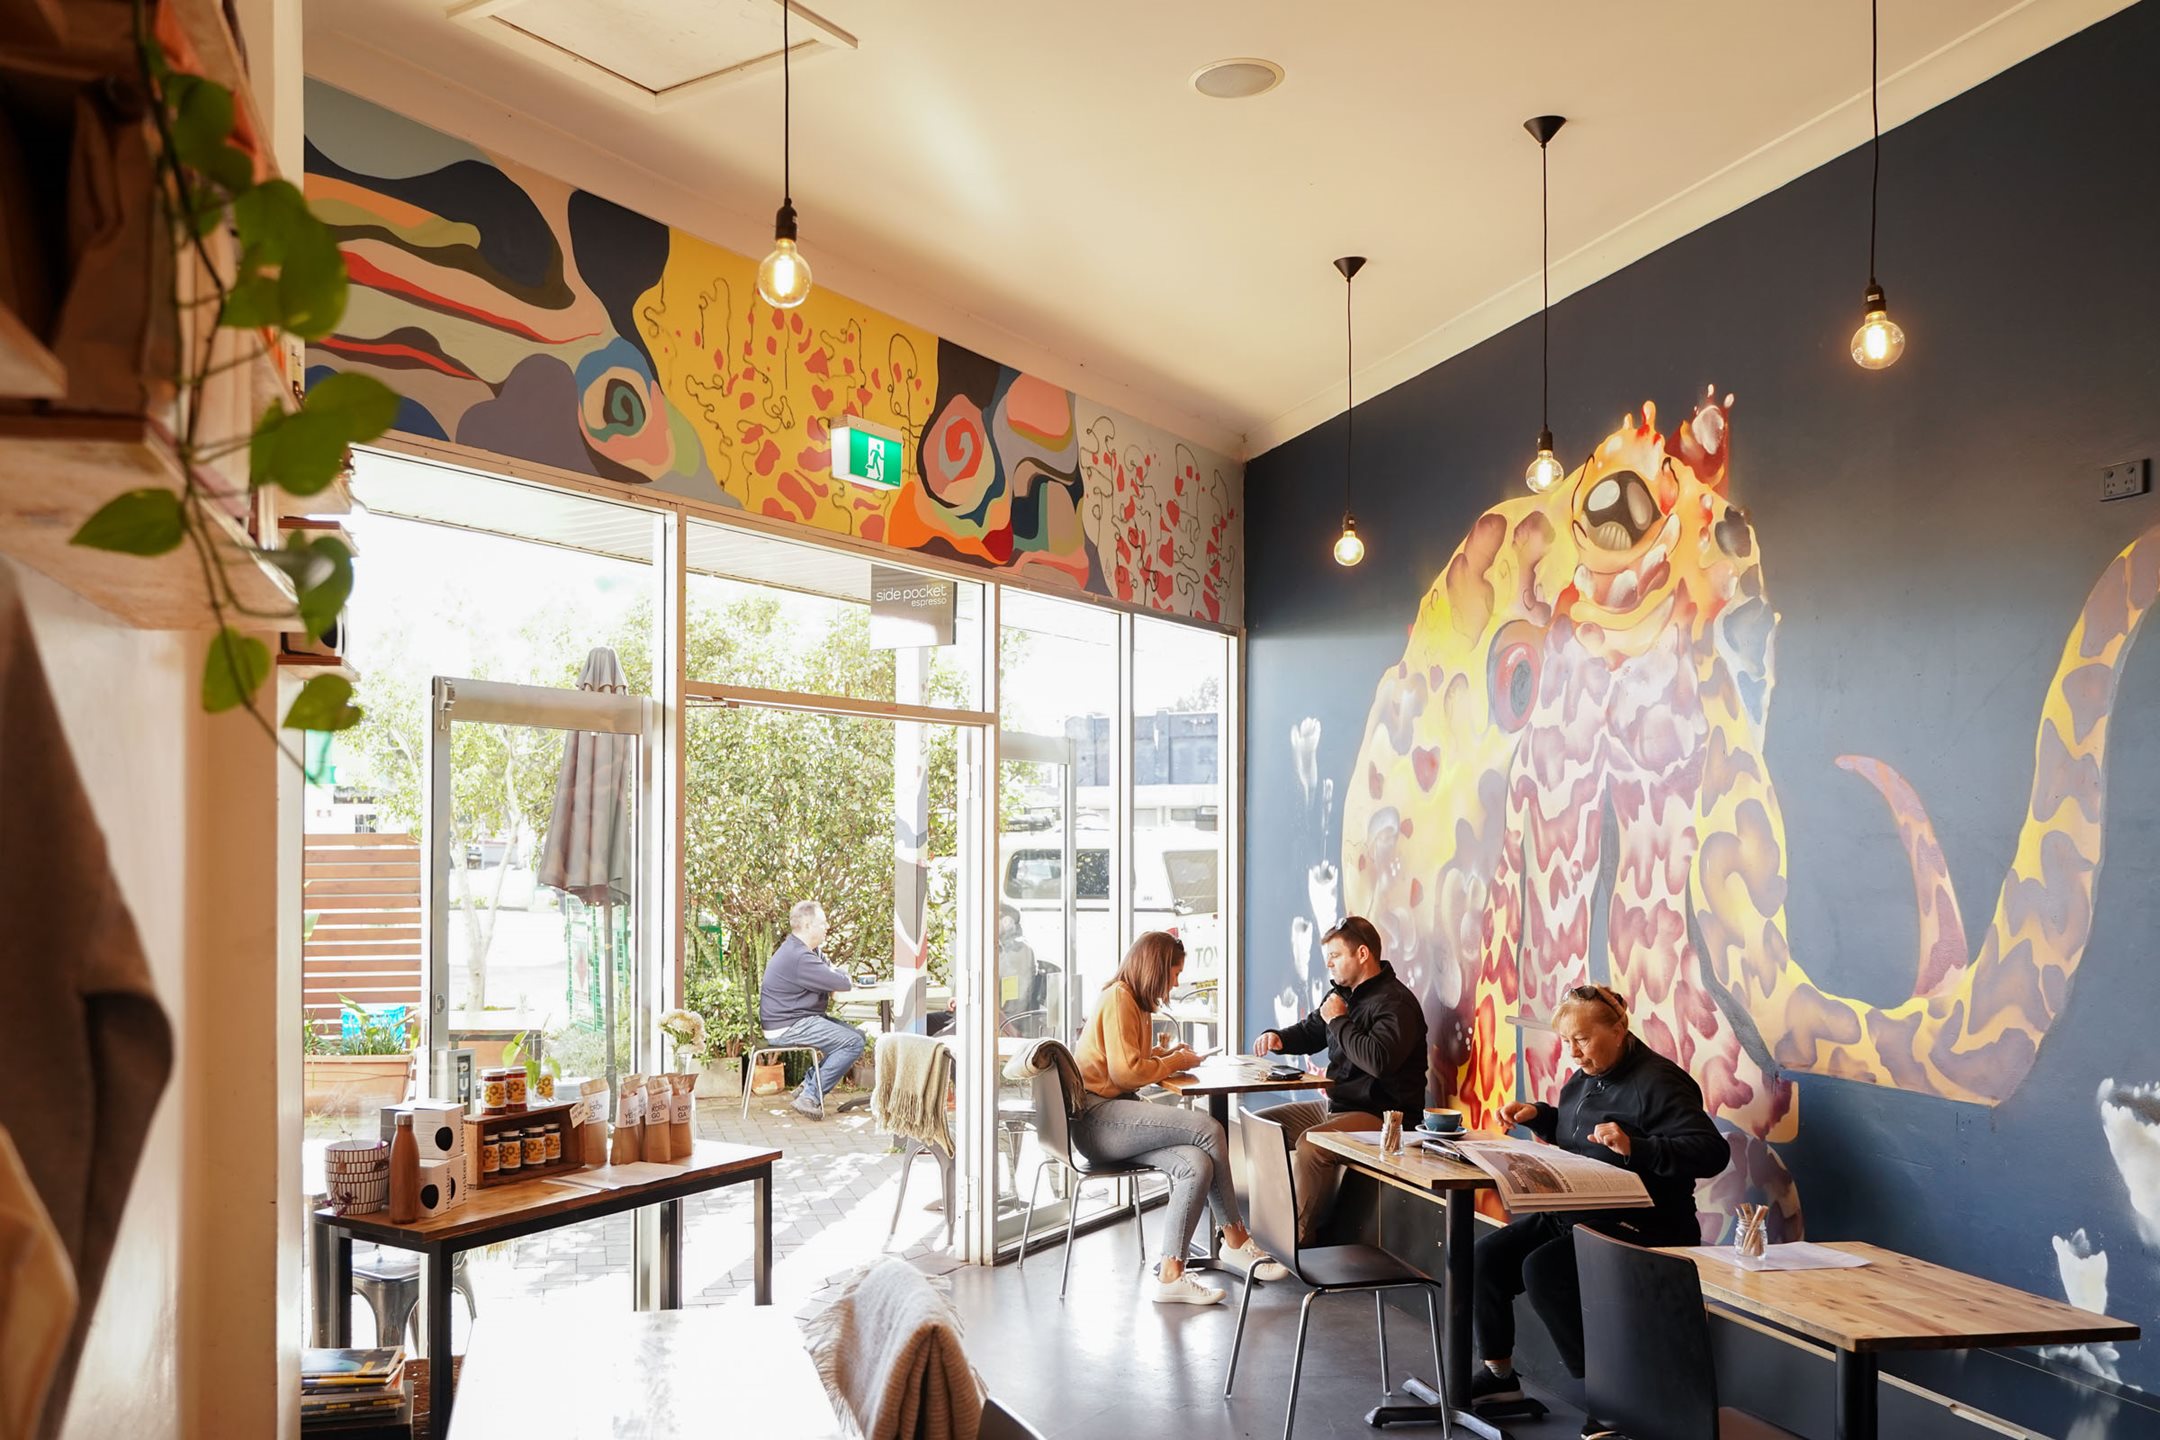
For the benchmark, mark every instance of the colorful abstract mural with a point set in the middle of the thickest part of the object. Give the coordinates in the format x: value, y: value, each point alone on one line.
x: 1594, y: 667
x: 524, y: 317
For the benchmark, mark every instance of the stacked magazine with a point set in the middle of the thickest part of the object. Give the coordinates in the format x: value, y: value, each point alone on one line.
x: 347, y: 1390
x: 1531, y: 1177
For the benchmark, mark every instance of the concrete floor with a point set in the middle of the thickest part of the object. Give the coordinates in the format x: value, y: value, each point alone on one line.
x: 1107, y: 1364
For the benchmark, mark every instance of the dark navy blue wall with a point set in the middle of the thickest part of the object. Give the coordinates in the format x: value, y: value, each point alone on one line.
x: 1929, y: 534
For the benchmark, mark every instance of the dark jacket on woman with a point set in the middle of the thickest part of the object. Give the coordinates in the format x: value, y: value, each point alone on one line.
x: 1674, y: 1143
x: 1376, y: 1048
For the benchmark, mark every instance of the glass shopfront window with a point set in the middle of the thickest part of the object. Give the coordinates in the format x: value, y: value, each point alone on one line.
x: 1180, y: 677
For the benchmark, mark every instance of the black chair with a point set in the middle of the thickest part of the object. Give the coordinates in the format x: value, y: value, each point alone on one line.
x: 1327, y: 1269
x: 998, y: 1423
x: 1648, y: 1368
x: 1053, y: 1132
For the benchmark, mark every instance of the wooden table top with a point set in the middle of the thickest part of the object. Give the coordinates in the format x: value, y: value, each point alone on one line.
x: 1895, y: 1302
x: 1239, y: 1075
x: 1413, y: 1168
x: 711, y: 1163
x: 662, y: 1375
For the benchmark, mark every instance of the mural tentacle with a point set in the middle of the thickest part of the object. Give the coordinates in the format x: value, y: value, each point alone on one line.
x: 1969, y: 1031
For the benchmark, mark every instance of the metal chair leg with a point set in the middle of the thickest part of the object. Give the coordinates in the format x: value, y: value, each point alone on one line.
x: 1379, y: 1315
x: 907, y: 1166
x: 945, y: 1169
x: 461, y: 1281
x: 1027, y: 1216
x: 1237, y: 1337
x: 1072, y: 1219
x: 1132, y: 1192
x: 1297, y: 1363
x: 1432, y: 1316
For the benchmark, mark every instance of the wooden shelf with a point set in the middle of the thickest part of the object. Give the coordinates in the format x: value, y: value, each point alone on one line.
x: 28, y: 371
x: 57, y: 470
x: 307, y: 667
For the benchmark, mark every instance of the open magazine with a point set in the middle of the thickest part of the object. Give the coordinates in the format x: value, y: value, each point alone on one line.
x: 1532, y: 1177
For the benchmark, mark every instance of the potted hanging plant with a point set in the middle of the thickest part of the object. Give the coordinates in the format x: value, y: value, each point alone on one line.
x: 367, y: 1065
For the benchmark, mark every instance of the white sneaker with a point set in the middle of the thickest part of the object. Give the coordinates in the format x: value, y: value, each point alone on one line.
x: 1252, y: 1259
x: 1185, y: 1291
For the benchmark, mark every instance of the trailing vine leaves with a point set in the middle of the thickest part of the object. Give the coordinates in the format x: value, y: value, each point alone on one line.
x: 290, y: 278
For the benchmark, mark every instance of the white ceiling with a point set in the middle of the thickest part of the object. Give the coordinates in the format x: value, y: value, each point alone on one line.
x: 1041, y: 183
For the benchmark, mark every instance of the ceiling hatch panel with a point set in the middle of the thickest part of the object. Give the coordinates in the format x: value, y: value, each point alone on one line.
x: 654, y: 53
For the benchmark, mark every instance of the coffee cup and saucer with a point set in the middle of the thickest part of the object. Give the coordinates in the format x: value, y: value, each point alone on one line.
x: 1442, y: 1121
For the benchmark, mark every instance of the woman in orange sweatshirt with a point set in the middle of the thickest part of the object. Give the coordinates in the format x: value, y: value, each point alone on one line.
x: 1118, y: 1056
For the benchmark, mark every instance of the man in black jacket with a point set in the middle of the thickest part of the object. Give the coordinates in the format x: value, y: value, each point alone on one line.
x: 1374, y: 1032
x: 1628, y: 1106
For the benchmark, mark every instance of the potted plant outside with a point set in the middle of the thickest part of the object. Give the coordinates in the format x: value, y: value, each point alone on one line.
x: 366, y: 1066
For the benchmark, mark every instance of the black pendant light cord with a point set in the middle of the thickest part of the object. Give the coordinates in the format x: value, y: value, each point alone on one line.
x: 1875, y: 114
x: 1349, y: 405
x: 1545, y: 287
x: 787, y: 114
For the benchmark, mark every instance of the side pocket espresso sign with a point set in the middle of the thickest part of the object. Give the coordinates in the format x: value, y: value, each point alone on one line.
x: 909, y: 608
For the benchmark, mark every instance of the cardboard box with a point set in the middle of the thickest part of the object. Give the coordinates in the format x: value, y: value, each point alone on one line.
x: 438, y: 1125
x: 442, y: 1185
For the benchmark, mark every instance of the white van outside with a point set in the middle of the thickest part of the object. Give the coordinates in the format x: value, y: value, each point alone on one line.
x: 1177, y: 886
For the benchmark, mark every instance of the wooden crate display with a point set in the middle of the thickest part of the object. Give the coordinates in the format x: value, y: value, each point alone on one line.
x: 480, y: 1128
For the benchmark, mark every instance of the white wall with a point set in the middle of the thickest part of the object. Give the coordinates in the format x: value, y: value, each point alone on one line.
x: 196, y: 1331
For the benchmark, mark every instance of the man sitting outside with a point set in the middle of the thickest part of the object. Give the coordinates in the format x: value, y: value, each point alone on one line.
x: 799, y: 983
x: 1374, y: 1032
x: 1628, y: 1106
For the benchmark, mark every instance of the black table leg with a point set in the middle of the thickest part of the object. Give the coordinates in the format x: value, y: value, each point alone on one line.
x: 334, y: 1289
x: 1856, y: 1395
x: 1460, y: 1278
x: 441, y: 1383
x: 671, y: 1255
x: 761, y: 1252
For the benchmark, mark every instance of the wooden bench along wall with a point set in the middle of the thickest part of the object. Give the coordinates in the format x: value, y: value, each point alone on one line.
x: 364, y: 891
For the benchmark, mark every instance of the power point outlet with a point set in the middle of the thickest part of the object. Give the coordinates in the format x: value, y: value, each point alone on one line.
x: 2122, y: 480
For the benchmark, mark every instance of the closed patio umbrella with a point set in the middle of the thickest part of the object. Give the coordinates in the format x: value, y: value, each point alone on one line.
x: 589, y: 850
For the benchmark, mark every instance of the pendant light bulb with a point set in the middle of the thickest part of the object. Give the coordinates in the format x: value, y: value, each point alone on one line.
x: 784, y: 276
x: 1348, y: 548
x: 1879, y: 341
x: 1546, y: 471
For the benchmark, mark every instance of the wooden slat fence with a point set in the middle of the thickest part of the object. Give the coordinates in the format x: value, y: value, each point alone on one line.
x: 364, y: 891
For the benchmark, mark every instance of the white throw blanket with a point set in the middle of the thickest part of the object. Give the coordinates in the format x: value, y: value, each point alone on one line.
x: 888, y: 1350
x: 914, y: 1074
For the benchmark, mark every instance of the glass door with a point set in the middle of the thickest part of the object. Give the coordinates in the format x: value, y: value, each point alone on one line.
x: 540, y: 806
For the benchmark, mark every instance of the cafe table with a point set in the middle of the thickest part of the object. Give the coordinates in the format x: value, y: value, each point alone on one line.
x: 1893, y: 1302
x: 662, y: 1375
x: 1219, y: 1077
x: 1452, y: 1183
x: 507, y: 1211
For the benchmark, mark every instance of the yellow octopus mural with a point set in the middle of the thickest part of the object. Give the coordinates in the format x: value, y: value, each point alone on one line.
x: 1598, y: 660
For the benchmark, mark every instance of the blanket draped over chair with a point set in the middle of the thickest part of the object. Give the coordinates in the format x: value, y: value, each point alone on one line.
x: 888, y: 1350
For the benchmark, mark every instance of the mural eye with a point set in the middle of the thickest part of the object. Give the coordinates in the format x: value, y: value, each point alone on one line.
x: 1517, y: 656
x: 1619, y: 511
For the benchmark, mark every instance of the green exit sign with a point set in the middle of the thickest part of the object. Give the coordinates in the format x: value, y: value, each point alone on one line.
x: 865, y: 453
